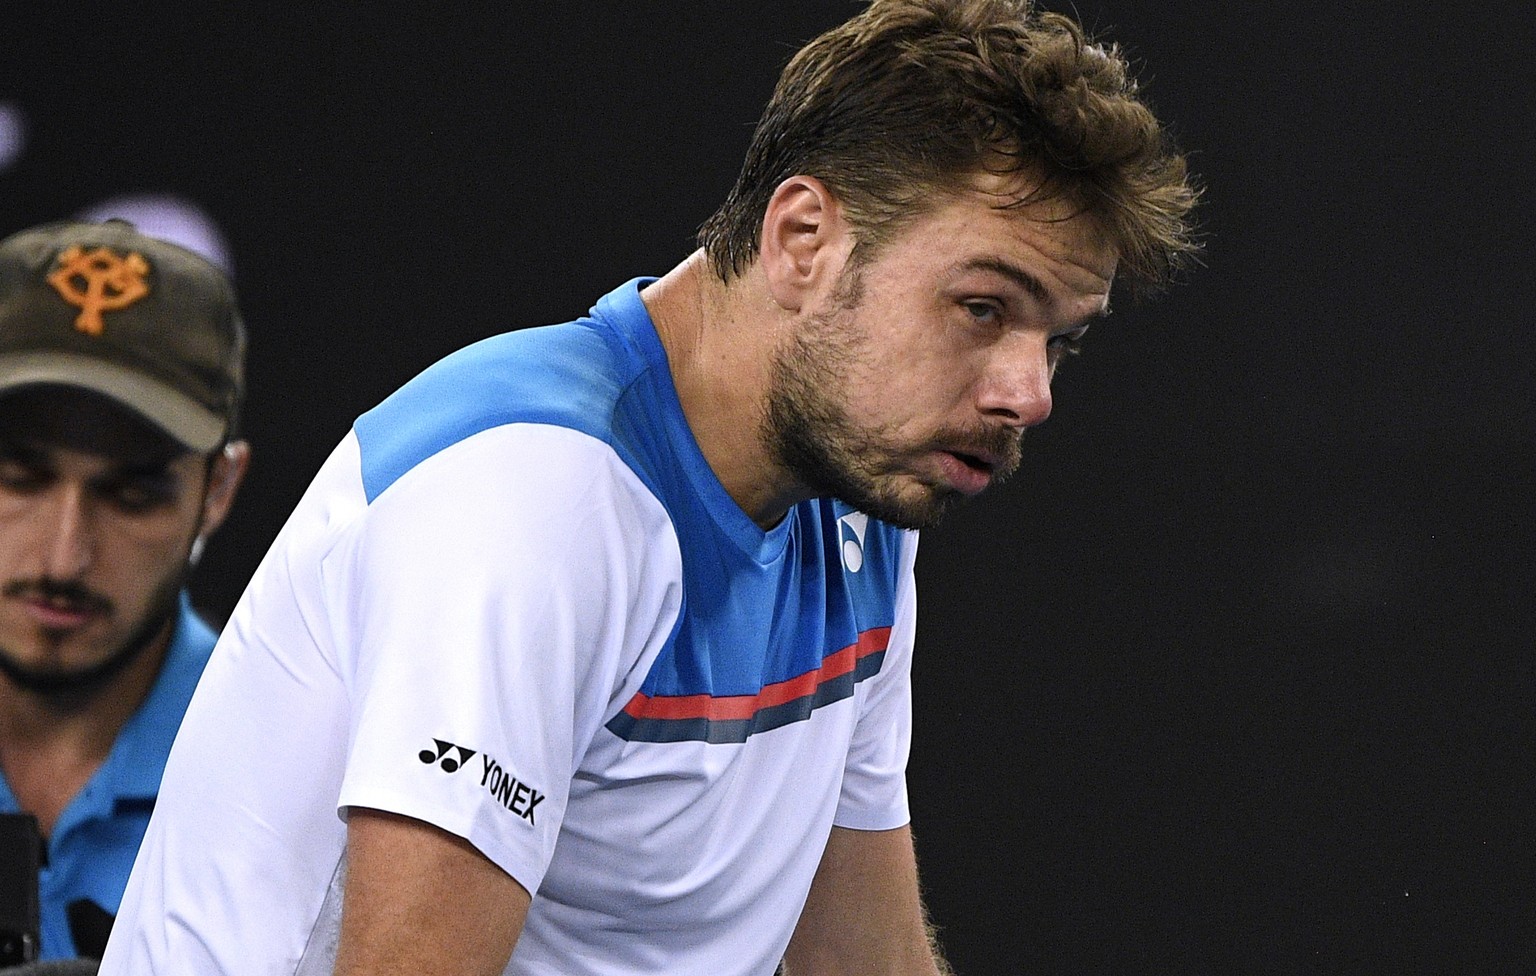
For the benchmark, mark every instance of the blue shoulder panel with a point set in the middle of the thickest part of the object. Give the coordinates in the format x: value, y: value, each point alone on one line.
x: 567, y: 375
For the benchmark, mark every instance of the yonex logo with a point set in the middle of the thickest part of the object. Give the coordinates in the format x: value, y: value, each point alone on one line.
x: 97, y: 281
x: 853, y: 549
x: 505, y: 788
x: 510, y: 791
x: 441, y: 757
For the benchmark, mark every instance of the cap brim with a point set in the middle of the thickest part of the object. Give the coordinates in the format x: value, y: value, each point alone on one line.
x: 183, y: 418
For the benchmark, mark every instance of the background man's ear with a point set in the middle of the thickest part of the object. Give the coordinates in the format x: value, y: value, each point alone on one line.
x: 224, y: 478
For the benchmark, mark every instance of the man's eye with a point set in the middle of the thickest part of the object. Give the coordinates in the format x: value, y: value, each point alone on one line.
x: 20, y: 476
x: 1068, y: 343
x: 137, y: 495
x: 986, y: 312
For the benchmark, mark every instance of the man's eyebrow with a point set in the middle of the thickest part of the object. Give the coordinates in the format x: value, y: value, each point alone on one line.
x: 150, y: 466
x: 21, y: 450
x: 1023, y: 279
x: 1013, y: 273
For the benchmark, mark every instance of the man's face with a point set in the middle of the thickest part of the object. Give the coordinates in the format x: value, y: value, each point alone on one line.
x: 913, y: 384
x: 98, y: 513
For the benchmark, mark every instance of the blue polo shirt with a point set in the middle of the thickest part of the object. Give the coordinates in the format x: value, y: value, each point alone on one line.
x: 98, y: 834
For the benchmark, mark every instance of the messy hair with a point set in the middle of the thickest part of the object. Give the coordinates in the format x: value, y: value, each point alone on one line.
x: 905, y: 104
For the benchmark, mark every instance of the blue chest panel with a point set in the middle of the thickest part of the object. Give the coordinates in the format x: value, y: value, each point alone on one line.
x: 763, y: 643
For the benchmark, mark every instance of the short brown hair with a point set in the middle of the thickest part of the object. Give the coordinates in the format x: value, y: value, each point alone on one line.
x: 911, y: 98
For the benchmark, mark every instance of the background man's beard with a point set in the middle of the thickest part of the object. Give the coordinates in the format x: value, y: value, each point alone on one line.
x: 54, y: 681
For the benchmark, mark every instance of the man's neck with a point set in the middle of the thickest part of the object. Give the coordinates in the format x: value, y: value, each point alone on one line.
x: 52, y: 743
x: 721, y: 340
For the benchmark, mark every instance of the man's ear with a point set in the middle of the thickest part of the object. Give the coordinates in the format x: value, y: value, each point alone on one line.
x: 224, y: 477
x: 805, y: 242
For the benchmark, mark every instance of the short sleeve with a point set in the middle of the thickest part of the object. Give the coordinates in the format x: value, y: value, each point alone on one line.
x: 506, y: 596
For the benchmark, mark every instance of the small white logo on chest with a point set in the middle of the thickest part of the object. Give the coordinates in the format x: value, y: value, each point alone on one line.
x: 853, y: 549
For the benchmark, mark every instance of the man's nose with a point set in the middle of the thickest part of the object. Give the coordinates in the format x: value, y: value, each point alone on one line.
x: 1017, y: 388
x: 67, y: 534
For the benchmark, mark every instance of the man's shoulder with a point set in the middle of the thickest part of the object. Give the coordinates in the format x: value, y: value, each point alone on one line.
x: 548, y: 371
x: 571, y: 376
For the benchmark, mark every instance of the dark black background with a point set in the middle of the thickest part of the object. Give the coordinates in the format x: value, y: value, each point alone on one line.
x: 1235, y: 677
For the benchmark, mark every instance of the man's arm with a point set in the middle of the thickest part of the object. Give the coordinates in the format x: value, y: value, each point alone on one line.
x: 419, y: 900
x: 864, y: 915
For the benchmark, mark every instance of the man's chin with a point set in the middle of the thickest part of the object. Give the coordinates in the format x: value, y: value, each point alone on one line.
x: 922, y: 507
x: 83, y: 679
x: 47, y: 678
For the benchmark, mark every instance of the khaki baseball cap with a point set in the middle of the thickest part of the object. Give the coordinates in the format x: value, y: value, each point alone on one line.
x: 141, y: 321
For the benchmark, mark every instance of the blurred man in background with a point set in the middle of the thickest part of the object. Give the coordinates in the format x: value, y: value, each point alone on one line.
x: 121, y: 377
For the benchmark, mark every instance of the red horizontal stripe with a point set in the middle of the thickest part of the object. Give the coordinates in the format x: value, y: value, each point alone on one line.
x: 727, y: 707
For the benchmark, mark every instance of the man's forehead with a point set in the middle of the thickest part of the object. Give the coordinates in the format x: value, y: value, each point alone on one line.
x: 1048, y: 238
x: 1034, y: 197
x: 49, y: 416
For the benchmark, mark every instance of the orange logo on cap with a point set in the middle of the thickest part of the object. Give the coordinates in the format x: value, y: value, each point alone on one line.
x: 99, y: 281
